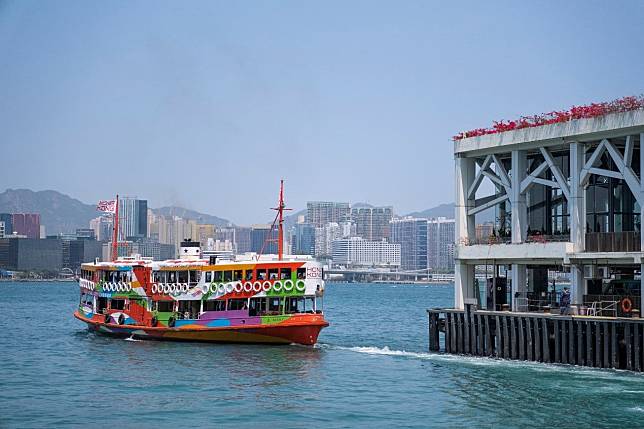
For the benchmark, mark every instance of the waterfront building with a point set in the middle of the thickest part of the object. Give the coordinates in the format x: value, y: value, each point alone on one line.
x: 85, y: 234
x: 320, y: 213
x: 31, y: 254
x: 26, y: 224
x: 356, y: 252
x: 133, y: 217
x: 372, y: 223
x: 263, y: 240
x: 8, y: 227
x: 324, y: 237
x: 411, y: 234
x: 440, y: 244
x: 573, y: 195
x: 303, y: 239
x: 242, y: 239
x: 1, y: 229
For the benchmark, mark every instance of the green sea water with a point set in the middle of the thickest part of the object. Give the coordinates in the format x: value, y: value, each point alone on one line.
x: 370, y: 369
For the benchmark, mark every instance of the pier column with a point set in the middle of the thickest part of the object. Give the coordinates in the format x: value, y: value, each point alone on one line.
x: 577, y: 211
x: 519, y: 277
x: 465, y: 229
x: 518, y: 199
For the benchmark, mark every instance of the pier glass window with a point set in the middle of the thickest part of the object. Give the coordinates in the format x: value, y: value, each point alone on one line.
x: 611, y: 206
x: 285, y: 273
x: 217, y: 305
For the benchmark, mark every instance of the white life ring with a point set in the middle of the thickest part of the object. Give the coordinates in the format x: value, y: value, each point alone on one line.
x: 238, y: 287
x: 277, y: 286
x: 229, y: 287
x: 166, y: 288
x: 128, y: 287
x: 154, y: 288
x: 300, y: 286
x: 257, y: 287
x: 288, y: 285
x: 266, y: 286
x: 248, y: 286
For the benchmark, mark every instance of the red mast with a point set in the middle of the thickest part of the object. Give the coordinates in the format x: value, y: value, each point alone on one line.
x: 115, y: 238
x: 280, y: 218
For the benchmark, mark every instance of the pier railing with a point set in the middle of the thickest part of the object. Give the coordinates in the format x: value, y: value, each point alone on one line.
x: 600, y: 342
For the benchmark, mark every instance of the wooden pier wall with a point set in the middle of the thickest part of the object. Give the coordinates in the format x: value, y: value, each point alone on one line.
x: 579, y: 340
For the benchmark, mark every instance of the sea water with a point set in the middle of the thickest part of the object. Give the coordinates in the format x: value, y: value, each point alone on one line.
x: 370, y: 368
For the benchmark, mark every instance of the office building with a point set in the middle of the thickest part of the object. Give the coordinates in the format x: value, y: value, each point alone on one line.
x: 1, y: 229
x: 303, y: 239
x: 242, y: 239
x: 324, y: 237
x: 26, y: 224
x: 411, y: 234
x: 102, y: 227
x: 133, y: 218
x: 356, y: 252
x: 263, y: 240
x: 320, y: 213
x: 8, y: 227
x: 372, y: 223
x: 440, y: 244
x: 31, y: 254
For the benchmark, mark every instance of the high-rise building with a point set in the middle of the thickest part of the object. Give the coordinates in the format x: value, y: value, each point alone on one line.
x: 242, y: 239
x: 26, y: 224
x: 263, y: 240
x: 372, y: 223
x: 411, y: 234
x: 303, y: 239
x: 85, y: 234
x: 133, y: 218
x: 1, y: 229
x: 102, y: 227
x: 440, y: 244
x: 320, y: 213
x: 324, y: 237
x: 8, y: 227
x: 356, y: 252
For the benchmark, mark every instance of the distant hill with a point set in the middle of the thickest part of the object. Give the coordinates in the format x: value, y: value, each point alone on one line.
x: 191, y: 214
x: 58, y: 212
x: 447, y: 210
x: 61, y: 213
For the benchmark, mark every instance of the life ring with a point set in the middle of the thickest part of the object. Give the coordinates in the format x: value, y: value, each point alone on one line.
x: 154, y: 288
x: 248, y: 286
x: 257, y: 287
x: 627, y: 305
x: 277, y: 286
x: 266, y: 286
x: 213, y: 288
x: 288, y: 285
x: 166, y: 288
x: 238, y: 287
x: 173, y: 288
x: 128, y: 287
x: 300, y: 286
x: 229, y: 287
x: 221, y: 289
x: 121, y: 319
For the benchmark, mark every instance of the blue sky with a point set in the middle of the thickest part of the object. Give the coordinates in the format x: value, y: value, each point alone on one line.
x: 208, y: 104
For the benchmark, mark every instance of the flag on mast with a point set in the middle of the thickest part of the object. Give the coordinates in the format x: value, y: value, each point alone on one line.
x: 107, y: 206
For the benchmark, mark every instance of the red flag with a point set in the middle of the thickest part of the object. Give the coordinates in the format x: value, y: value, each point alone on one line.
x: 108, y: 206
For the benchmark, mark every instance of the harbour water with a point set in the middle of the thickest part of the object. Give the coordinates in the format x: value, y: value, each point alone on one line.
x: 371, y: 368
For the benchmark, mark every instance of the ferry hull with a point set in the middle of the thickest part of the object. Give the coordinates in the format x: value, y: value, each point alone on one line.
x: 301, y: 332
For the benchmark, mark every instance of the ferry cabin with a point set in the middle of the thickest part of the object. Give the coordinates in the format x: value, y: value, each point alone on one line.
x: 138, y: 291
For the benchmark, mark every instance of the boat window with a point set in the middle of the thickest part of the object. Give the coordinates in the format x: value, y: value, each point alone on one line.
x: 285, y: 273
x: 155, y: 277
x: 216, y: 276
x: 272, y: 274
x: 102, y: 304
x: 171, y: 277
x: 301, y: 273
x: 208, y: 276
x: 216, y: 305
x: 257, y: 307
x: 249, y: 275
x: 260, y: 275
x: 274, y: 305
x: 195, y: 276
x: 182, y: 276
x: 117, y: 304
x: 228, y: 276
x: 237, y: 304
x: 294, y: 305
x: 238, y: 275
x: 309, y: 305
x: 164, y: 306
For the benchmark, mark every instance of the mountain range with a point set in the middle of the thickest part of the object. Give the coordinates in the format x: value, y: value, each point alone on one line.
x: 60, y: 213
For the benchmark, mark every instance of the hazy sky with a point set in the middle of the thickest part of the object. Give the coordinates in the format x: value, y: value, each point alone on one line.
x: 208, y: 104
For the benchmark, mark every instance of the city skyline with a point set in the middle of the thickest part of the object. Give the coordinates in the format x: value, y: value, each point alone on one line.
x: 352, y: 106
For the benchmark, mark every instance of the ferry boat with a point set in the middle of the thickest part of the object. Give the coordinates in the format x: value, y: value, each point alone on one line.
x: 248, y: 299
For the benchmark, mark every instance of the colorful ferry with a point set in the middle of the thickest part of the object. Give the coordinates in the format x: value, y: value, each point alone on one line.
x: 249, y: 299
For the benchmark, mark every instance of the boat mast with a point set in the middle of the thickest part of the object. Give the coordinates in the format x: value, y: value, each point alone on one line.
x: 281, y: 206
x: 115, y: 238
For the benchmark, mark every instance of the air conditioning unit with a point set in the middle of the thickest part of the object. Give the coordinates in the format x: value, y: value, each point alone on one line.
x: 590, y: 271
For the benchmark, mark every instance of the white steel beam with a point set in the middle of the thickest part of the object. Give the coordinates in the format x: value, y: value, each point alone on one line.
x: 627, y: 172
x: 525, y: 183
x: 471, y: 192
x: 585, y: 172
x: 628, y: 151
x: 487, y: 202
x: 559, y: 177
x: 604, y: 172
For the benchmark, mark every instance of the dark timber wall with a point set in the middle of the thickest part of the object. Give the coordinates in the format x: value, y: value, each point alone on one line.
x: 578, y: 340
